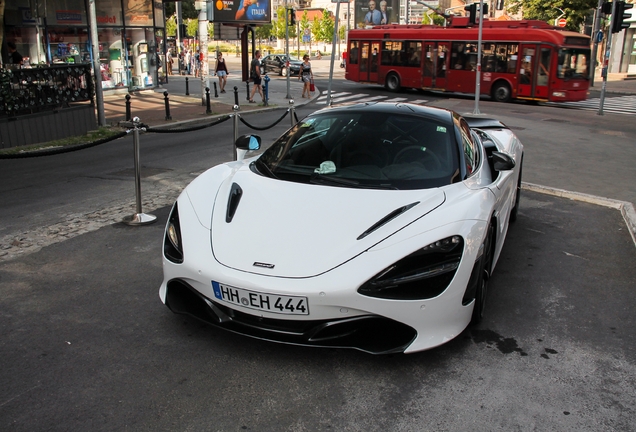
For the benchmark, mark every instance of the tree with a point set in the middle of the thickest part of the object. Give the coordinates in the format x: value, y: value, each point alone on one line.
x: 171, y: 26
x: 548, y: 10
x: 279, y: 26
x: 187, y: 9
x: 326, y: 26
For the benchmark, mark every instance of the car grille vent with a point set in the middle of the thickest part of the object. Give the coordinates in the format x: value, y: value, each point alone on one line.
x: 386, y: 219
x: 232, y: 203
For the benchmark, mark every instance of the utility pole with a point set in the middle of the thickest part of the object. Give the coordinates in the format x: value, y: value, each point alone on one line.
x: 99, y: 94
x: 203, y: 47
x: 287, y: 16
x: 179, y: 18
x: 478, y: 76
x: 595, y: 35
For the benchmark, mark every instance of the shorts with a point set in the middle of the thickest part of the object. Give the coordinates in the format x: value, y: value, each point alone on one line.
x: 221, y: 73
x: 257, y: 81
x: 306, y: 78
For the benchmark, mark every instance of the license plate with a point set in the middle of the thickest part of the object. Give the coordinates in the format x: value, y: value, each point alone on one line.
x: 290, y: 305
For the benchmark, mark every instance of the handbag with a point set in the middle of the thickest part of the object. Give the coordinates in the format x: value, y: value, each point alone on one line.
x: 312, y: 87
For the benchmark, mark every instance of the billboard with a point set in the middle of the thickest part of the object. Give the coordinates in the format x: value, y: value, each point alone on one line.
x: 376, y: 12
x: 241, y: 11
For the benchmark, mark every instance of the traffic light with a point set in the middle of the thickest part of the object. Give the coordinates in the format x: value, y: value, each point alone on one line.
x: 183, y: 32
x: 292, y: 17
x: 472, y: 9
x: 607, y: 8
x: 619, y: 17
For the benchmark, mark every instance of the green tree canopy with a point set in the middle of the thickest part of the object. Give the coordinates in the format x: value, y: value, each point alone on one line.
x: 548, y: 10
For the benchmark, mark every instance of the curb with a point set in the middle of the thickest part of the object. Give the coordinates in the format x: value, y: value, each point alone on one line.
x: 626, y: 208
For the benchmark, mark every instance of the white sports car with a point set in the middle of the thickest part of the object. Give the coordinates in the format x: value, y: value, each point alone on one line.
x: 372, y: 226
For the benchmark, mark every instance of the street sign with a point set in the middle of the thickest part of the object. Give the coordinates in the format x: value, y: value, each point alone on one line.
x: 562, y: 22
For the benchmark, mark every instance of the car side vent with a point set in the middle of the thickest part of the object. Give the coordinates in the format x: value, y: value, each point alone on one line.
x: 232, y: 203
x: 386, y: 219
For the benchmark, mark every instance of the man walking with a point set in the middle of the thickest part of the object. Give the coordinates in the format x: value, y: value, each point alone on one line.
x: 255, y: 76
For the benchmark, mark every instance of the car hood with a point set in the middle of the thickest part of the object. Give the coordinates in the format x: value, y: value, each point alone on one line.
x: 286, y: 229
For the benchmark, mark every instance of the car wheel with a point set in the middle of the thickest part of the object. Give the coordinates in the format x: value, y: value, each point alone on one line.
x: 485, y: 268
x: 283, y: 71
x: 501, y: 92
x: 392, y: 82
x: 515, y: 209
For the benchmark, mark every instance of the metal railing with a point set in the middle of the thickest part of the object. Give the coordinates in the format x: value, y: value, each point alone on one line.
x: 47, y: 88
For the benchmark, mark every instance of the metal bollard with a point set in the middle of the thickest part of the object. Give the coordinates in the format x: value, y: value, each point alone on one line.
x: 236, y: 102
x: 247, y: 83
x: 167, y: 103
x: 128, y: 113
x: 187, y: 87
x: 235, y: 108
x: 292, y: 112
x: 266, y: 89
x: 207, y: 101
x: 138, y: 218
x: 216, y: 93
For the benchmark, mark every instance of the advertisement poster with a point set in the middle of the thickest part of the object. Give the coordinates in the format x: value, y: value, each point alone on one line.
x: 243, y: 11
x: 369, y: 13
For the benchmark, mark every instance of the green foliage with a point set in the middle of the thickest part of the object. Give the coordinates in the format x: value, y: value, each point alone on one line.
x: 192, y: 27
x: 171, y: 26
x: 279, y: 29
x: 326, y: 27
x: 264, y: 32
x: 187, y: 9
x: 548, y: 10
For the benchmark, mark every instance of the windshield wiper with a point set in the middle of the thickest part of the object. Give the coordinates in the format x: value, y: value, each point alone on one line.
x: 316, y: 178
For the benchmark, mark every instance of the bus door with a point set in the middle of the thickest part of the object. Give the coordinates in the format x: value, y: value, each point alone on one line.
x: 534, y: 71
x: 434, y: 71
x: 369, y: 61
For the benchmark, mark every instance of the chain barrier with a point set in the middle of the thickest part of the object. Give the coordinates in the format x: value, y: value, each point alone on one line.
x: 60, y: 150
x: 192, y: 129
x: 266, y: 127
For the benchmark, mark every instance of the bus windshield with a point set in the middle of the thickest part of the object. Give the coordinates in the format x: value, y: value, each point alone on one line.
x: 573, y: 63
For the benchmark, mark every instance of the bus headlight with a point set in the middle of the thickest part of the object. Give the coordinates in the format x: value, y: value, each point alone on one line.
x: 558, y: 94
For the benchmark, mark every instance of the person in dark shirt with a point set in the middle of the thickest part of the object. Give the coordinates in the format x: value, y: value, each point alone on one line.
x: 14, y: 56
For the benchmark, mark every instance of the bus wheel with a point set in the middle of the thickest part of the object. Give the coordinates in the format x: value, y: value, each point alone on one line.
x: 501, y: 92
x: 392, y: 82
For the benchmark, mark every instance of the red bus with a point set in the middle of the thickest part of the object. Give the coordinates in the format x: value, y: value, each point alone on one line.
x: 520, y: 59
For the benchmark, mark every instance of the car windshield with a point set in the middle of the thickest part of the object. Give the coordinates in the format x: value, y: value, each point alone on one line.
x: 364, y: 149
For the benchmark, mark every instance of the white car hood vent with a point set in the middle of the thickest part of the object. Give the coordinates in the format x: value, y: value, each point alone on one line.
x: 388, y: 218
x: 286, y: 229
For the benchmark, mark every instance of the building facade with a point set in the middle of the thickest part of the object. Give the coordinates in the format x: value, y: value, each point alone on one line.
x: 131, y: 38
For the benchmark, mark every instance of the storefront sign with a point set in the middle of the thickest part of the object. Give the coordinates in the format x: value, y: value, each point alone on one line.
x: 68, y: 16
x: 107, y: 19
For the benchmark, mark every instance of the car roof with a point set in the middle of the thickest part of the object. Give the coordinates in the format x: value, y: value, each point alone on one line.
x: 434, y: 113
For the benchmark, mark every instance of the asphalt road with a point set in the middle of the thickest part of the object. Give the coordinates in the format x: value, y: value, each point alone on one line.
x: 87, y: 345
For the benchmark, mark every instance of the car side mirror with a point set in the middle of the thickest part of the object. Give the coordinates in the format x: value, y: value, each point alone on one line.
x: 502, y: 161
x: 248, y: 142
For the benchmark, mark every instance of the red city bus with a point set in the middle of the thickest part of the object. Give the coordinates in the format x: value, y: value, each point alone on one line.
x: 520, y: 59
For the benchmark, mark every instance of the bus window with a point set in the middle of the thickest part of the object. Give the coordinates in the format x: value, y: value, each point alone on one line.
x: 393, y: 53
x: 353, y: 52
x: 573, y: 63
x: 414, y: 50
x: 458, y: 58
x: 544, y: 67
x: 364, y: 57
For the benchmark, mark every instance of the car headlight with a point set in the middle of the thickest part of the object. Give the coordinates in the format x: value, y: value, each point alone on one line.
x: 172, y: 244
x: 424, y: 274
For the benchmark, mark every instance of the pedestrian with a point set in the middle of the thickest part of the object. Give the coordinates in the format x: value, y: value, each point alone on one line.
x: 255, y: 75
x: 170, y: 62
x: 221, y: 71
x: 14, y: 56
x: 197, y: 63
x: 306, y: 75
x: 187, y: 59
